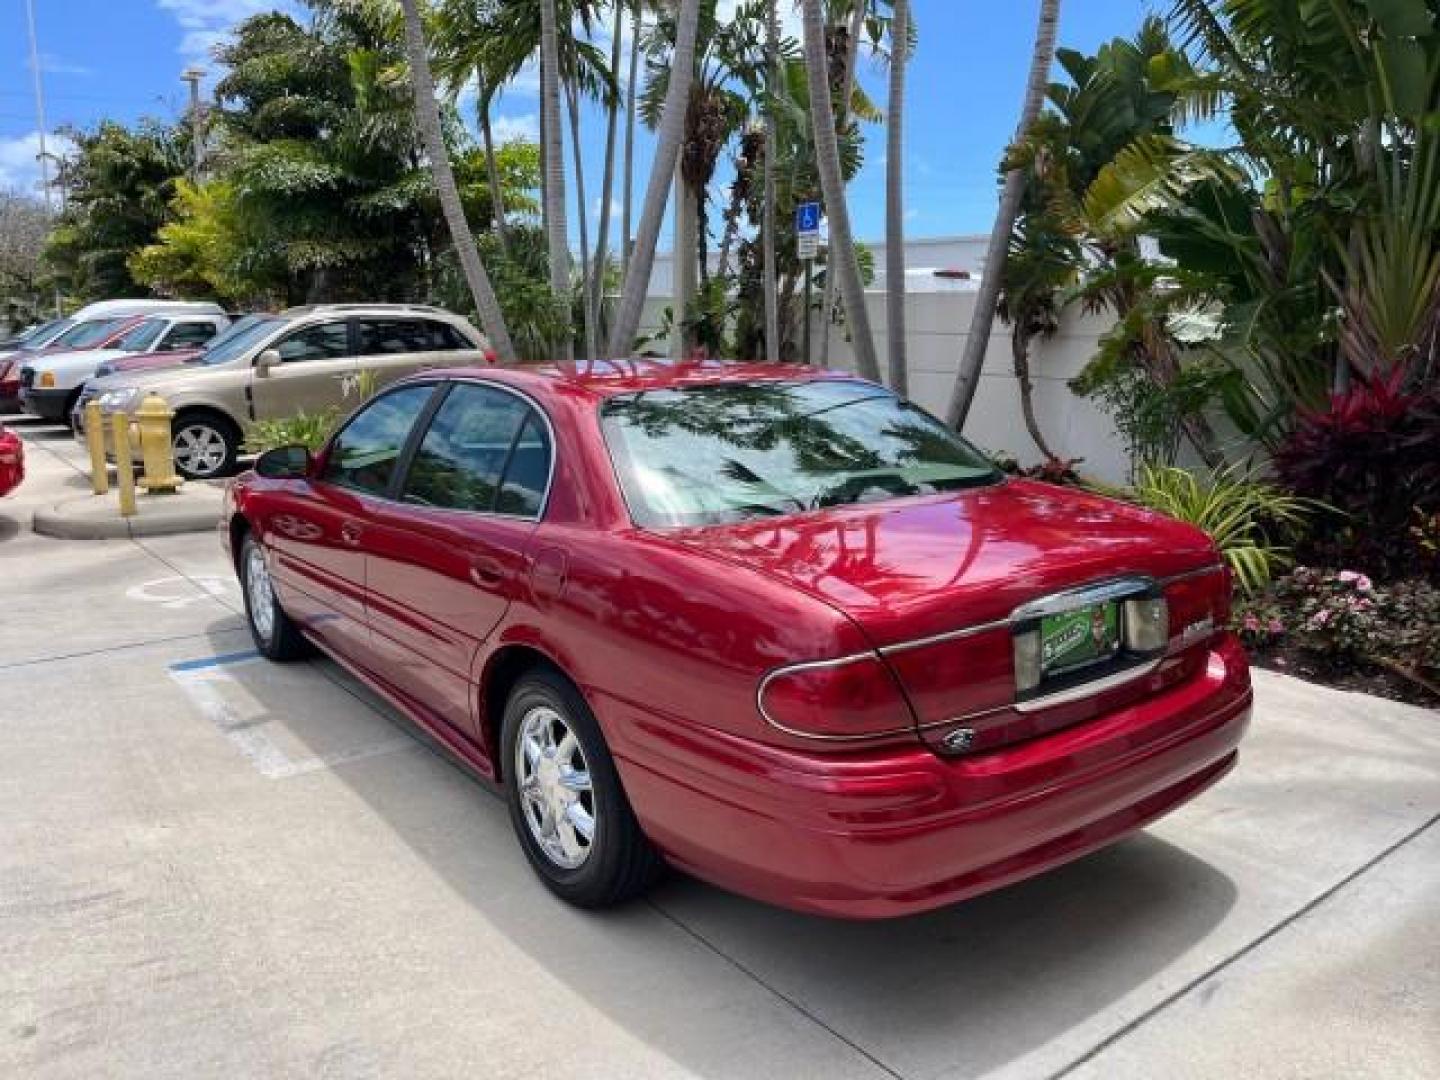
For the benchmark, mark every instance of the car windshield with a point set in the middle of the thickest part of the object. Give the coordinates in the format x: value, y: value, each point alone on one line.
x: 725, y: 453
x: 142, y: 336
x: 46, y: 334
x: 235, y: 341
x: 88, y: 333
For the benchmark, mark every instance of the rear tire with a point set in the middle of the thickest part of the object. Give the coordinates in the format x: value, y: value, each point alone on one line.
x: 275, y: 634
x: 205, y: 444
x: 562, y: 783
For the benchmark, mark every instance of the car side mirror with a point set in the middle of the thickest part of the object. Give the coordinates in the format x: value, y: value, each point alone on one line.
x: 266, y: 360
x: 284, y: 463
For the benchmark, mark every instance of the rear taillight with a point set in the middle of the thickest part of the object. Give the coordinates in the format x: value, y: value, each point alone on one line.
x: 856, y: 698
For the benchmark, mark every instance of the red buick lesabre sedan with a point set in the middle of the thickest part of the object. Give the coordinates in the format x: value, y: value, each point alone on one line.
x: 773, y: 626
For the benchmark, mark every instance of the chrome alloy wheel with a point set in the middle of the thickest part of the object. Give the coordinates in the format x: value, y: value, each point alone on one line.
x: 259, y: 593
x: 555, y: 790
x: 200, y: 450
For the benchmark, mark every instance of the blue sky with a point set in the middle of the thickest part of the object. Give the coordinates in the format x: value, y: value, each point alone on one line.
x: 123, y: 58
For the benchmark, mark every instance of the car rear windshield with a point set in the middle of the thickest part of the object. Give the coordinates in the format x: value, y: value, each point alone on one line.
x: 725, y: 453
x: 238, y: 339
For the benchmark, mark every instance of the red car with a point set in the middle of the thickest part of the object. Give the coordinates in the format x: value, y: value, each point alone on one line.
x: 12, y: 461
x: 774, y: 626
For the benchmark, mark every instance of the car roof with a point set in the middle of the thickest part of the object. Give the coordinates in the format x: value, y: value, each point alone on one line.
x: 609, y: 378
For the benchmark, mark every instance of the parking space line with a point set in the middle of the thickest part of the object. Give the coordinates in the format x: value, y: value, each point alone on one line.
x: 204, y: 680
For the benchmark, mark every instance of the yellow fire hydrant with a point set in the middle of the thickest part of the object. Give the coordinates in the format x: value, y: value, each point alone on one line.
x: 156, y: 448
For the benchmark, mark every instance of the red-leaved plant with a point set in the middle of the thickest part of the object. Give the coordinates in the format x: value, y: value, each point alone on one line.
x: 1373, y: 455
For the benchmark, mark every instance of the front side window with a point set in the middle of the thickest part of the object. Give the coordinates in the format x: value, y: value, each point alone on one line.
x: 485, y: 451
x: 710, y: 455
x: 327, y: 341
x: 188, y: 335
x: 365, y: 454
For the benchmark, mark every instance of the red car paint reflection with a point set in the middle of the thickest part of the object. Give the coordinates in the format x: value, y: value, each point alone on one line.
x: 816, y: 702
x: 12, y: 461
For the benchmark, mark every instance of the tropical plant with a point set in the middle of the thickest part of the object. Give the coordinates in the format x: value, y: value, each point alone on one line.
x: 1374, y: 455
x: 988, y: 298
x: 1245, y: 517
x: 307, y: 429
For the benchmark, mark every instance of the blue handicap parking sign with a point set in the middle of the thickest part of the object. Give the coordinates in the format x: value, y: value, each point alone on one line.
x: 807, y: 217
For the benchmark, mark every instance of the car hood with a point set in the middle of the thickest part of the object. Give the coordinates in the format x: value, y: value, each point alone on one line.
x: 914, y: 568
x: 144, y: 379
x: 53, y: 361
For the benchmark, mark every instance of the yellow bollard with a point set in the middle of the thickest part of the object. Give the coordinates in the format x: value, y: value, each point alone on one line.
x: 124, y: 467
x: 95, y: 440
x: 157, y: 451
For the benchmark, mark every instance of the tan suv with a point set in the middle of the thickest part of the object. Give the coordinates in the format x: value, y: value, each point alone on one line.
x: 304, y: 359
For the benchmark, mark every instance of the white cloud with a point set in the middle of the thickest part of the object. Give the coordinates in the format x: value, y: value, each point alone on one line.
x: 509, y: 128
x: 206, y: 22
x: 19, y: 168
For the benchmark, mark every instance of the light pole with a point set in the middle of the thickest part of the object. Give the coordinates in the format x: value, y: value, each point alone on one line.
x: 192, y: 75
x: 44, y: 155
x: 59, y: 182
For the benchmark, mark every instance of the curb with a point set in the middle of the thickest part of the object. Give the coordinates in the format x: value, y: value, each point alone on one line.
x: 61, y: 522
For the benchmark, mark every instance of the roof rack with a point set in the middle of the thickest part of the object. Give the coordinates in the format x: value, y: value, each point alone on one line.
x: 307, y: 309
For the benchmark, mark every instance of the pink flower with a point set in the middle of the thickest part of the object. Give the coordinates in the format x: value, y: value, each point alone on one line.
x: 1252, y: 623
x: 1321, y: 619
x: 1276, y: 626
x: 1359, y: 580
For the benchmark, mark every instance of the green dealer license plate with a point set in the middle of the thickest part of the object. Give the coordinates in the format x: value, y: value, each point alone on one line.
x: 1079, y: 638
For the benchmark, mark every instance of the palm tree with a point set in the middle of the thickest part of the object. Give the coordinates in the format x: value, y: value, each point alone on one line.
x: 607, y: 186
x: 627, y: 208
x: 557, y: 230
x: 427, y: 119
x: 973, y: 360
x: 667, y: 153
x: 895, y: 200
x: 843, y: 261
x: 858, y: 10
x: 771, y: 286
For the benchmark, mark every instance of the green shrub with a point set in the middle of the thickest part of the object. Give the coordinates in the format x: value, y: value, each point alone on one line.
x: 309, y: 430
x: 1245, y: 517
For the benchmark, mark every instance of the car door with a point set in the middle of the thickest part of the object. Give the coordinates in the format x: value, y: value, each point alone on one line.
x: 317, y: 529
x: 447, y: 557
x: 316, y: 372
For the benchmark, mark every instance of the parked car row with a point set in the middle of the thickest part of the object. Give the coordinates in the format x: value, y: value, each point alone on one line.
x: 775, y: 626
x: 270, y: 367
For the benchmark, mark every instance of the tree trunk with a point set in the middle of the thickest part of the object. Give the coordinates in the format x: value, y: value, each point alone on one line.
x: 583, y: 211
x: 895, y: 201
x: 770, y: 281
x: 973, y: 360
x: 427, y: 119
x: 662, y: 174
x: 1020, y: 352
x: 847, y: 96
x: 607, y: 185
x: 556, y: 227
x: 492, y: 169
x: 627, y: 235
x: 683, y: 263
x: 843, y: 262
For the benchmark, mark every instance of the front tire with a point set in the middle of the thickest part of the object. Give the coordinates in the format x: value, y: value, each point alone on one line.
x: 568, y: 808
x: 205, y: 446
x: 275, y: 634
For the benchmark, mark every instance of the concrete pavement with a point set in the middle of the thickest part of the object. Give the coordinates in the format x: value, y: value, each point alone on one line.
x: 215, y: 866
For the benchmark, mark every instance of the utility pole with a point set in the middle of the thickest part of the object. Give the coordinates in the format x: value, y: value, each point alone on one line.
x: 192, y: 75
x: 44, y: 155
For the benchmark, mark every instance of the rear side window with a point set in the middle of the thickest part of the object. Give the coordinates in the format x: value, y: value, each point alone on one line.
x: 484, y: 451
x: 447, y: 338
x: 364, y: 455
x: 384, y: 337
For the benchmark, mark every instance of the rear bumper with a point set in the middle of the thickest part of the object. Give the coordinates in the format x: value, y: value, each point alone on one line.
x: 892, y: 833
x: 48, y: 404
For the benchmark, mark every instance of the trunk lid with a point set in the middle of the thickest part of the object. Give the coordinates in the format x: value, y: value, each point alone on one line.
x: 912, y: 570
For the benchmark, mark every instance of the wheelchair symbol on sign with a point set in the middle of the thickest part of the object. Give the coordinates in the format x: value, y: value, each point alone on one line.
x: 807, y: 218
